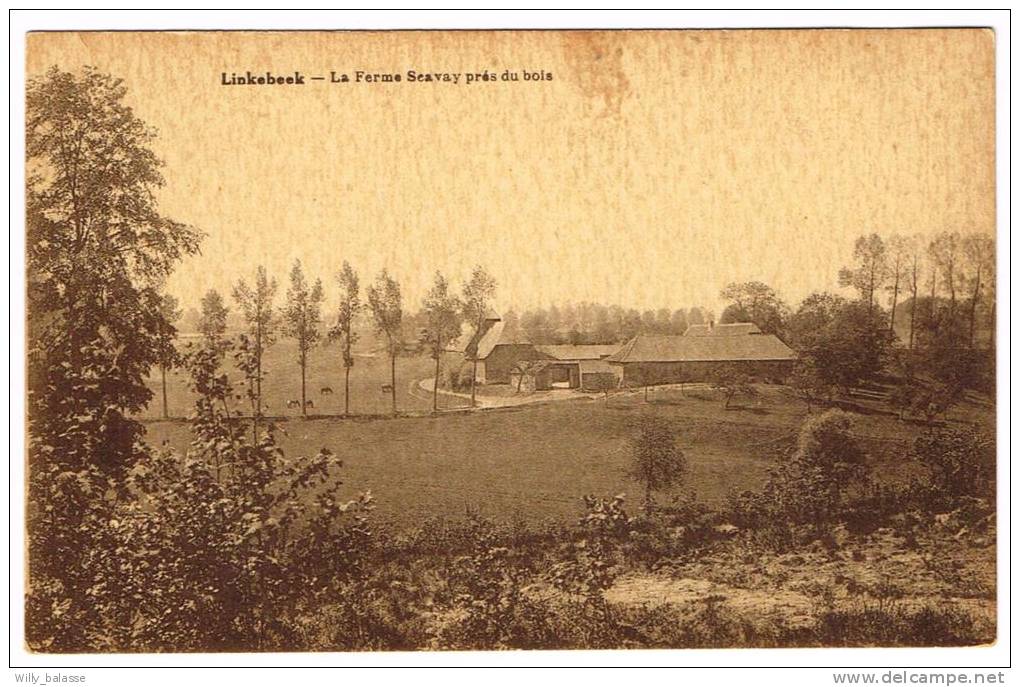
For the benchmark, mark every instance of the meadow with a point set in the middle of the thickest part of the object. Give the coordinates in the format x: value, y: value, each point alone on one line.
x: 536, y: 462
x: 282, y: 383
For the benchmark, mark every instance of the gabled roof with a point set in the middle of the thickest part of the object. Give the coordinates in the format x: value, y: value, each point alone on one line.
x: 495, y: 334
x: 669, y: 349
x: 731, y: 329
x: 579, y: 352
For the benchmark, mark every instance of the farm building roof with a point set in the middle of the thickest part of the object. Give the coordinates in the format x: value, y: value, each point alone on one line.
x: 731, y: 329
x: 668, y: 349
x: 579, y: 352
x: 495, y: 335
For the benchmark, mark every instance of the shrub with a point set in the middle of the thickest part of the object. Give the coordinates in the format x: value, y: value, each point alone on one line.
x: 960, y: 462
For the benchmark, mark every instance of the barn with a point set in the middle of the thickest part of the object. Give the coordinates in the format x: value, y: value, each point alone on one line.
x: 649, y: 360
x: 565, y: 367
x: 497, y: 351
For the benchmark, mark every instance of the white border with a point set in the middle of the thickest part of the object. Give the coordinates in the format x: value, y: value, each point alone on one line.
x: 23, y: 21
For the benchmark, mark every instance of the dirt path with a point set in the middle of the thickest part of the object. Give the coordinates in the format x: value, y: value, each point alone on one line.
x: 487, y: 401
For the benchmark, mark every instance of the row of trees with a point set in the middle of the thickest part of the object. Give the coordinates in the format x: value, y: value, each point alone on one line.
x: 595, y: 323
x: 442, y: 316
x: 939, y: 292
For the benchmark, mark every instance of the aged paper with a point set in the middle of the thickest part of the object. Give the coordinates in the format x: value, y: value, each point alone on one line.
x: 355, y: 341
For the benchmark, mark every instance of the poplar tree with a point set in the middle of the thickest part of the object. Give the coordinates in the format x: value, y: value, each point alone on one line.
x: 384, y: 300
x: 442, y: 312
x: 302, y: 320
x: 476, y: 300
x: 343, y: 329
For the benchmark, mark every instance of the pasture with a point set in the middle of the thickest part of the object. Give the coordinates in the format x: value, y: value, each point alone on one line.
x: 282, y: 383
x: 537, y: 462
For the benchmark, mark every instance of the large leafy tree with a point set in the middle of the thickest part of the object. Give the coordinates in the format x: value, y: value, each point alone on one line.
x: 442, y: 312
x: 98, y: 251
x: 302, y: 320
x: 844, y: 342
x: 757, y: 302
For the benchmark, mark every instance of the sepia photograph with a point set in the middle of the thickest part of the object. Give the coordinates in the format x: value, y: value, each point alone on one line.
x: 433, y: 341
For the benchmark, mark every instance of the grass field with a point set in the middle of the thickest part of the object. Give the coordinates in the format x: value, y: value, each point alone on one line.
x: 536, y: 462
x: 283, y: 383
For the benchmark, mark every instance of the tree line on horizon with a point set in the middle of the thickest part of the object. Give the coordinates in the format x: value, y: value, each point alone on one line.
x: 918, y: 308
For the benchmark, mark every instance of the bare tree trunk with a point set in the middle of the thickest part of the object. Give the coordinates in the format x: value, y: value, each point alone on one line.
x: 347, y: 390
x: 258, y: 377
x: 162, y: 370
x: 895, y: 298
x: 393, y: 380
x: 871, y: 288
x: 474, y: 377
x: 913, y: 304
x: 973, y: 307
x: 304, y: 403
x: 435, y: 388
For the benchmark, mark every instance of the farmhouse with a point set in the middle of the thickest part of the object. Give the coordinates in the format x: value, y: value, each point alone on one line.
x: 497, y: 351
x: 505, y: 357
x: 647, y: 360
x: 566, y: 367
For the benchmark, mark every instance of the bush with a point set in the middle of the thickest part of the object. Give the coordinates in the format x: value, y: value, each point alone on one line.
x: 960, y: 462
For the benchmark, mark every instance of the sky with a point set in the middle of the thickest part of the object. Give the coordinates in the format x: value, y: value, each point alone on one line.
x: 652, y: 169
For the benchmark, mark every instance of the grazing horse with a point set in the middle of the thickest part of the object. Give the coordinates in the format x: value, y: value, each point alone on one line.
x: 326, y: 391
x: 293, y: 404
x: 309, y: 403
x: 387, y: 388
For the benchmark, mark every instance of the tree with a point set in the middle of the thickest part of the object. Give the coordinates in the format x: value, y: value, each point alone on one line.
x: 845, y: 341
x: 602, y: 382
x: 826, y: 463
x: 384, y: 301
x: 695, y: 316
x: 168, y: 356
x: 869, y: 270
x: 678, y: 321
x: 302, y: 320
x: 806, y: 383
x: 98, y: 251
x: 979, y: 254
x: 731, y: 381
x: 343, y: 329
x: 256, y: 305
x: 944, y: 250
x: 657, y: 463
x: 756, y: 302
x: 960, y: 462
x: 442, y: 312
x: 212, y: 323
x: 915, y: 251
x: 899, y: 248
x: 476, y: 300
